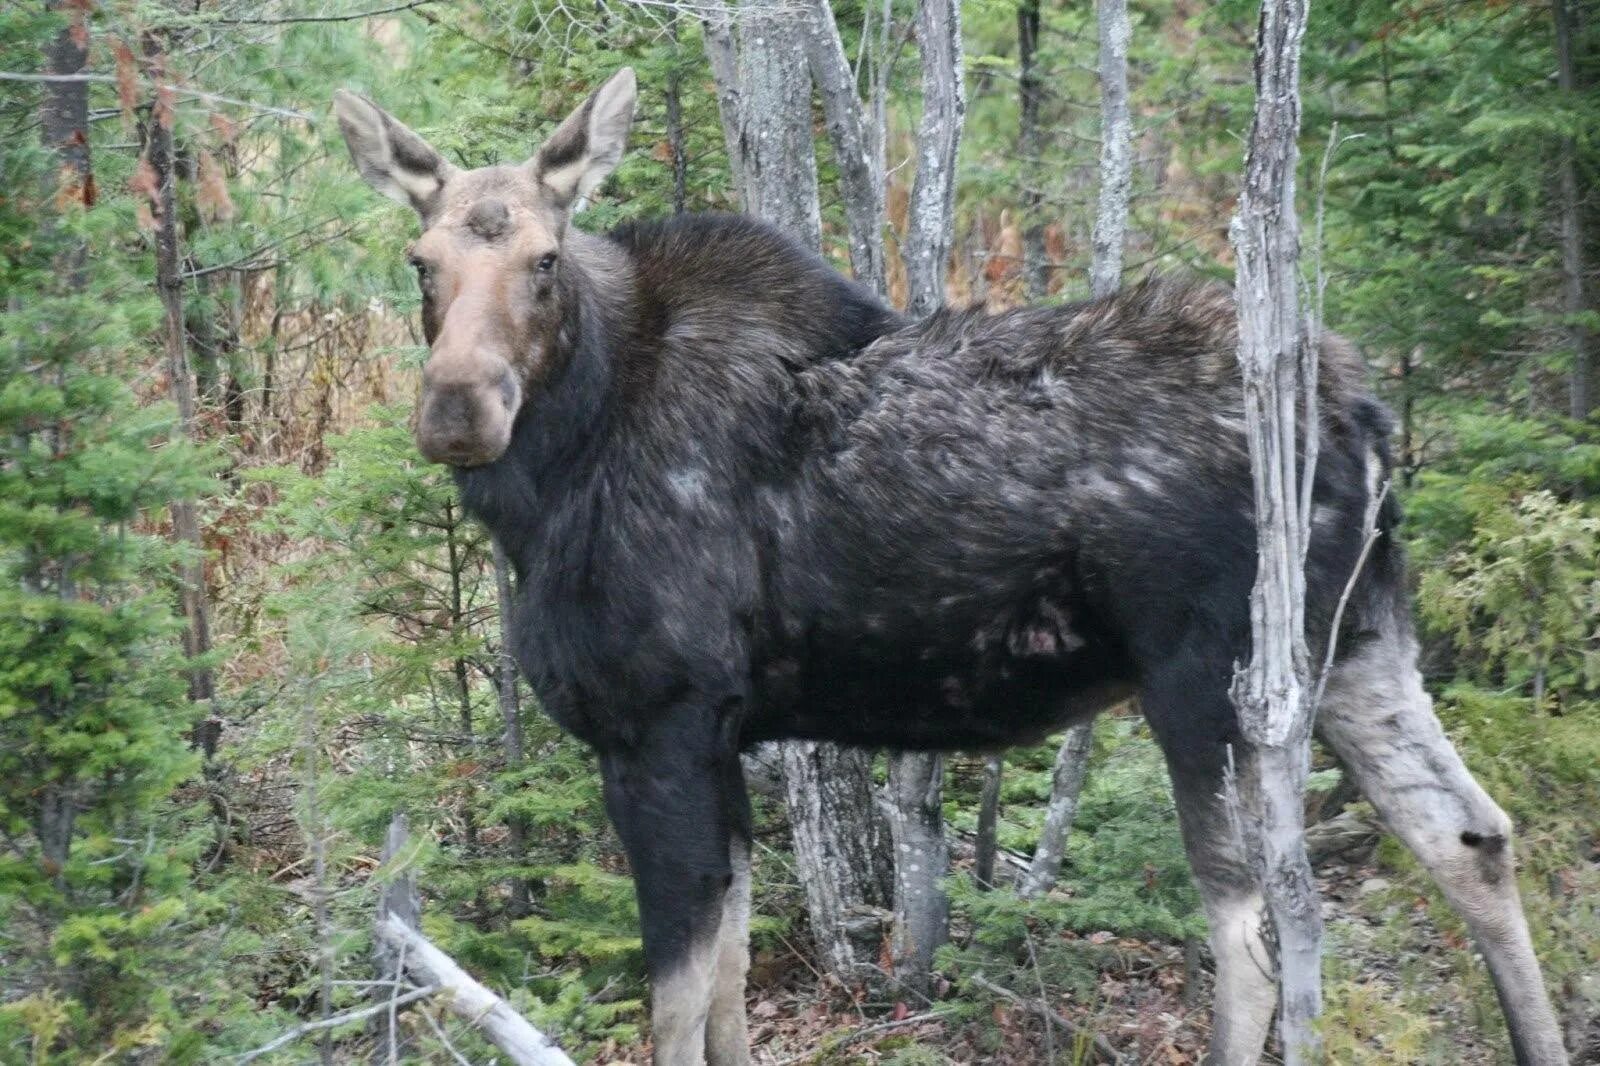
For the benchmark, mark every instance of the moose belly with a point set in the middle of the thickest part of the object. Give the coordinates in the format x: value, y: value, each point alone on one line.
x: 1010, y: 678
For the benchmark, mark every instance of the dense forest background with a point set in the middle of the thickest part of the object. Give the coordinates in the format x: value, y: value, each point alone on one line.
x: 242, y: 626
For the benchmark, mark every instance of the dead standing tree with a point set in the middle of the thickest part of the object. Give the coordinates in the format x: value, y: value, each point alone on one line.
x: 1105, y: 277
x: 915, y: 778
x: 161, y: 158
x: 839, y: 855
x: 1275, y: 693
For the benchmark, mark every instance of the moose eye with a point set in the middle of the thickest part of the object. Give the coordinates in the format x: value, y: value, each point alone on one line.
x: 420, y: 267
x: 547, y: 262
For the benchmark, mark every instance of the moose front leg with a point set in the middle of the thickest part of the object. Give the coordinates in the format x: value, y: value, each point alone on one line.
x: 668, y: 796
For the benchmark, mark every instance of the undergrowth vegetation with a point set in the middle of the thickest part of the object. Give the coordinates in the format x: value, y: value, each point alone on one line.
x: 159, y: 907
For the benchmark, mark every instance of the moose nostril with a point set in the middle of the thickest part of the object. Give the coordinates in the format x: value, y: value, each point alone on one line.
x: 508, y: 390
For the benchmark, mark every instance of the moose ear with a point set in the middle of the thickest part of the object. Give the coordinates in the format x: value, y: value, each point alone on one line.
x: 394, y: 160
x: 589, y: 144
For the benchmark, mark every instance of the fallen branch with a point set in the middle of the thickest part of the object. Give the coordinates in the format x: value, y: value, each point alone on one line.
x: 501, y: 1024
x: 342, y: 1019
x: 1101, y: 1047
x: 401, y: 948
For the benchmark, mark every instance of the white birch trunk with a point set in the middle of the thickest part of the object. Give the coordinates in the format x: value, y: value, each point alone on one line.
x: 723, y: 58
x: 922, y: 912
x: 921, y: 859
x: 1066, y: 785
x: 1116, y: 149
x: 400, y: 949
x: 858, y: 152
x: 987, y: 843
x: 840, y: 853
x: 933, y: 194
x: 1273, y: 694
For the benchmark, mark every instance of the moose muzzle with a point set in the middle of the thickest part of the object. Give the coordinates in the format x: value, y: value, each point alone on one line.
x: 467, y: 410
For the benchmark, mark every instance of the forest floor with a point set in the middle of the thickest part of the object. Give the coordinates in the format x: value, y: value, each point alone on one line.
x: 1398, y: 967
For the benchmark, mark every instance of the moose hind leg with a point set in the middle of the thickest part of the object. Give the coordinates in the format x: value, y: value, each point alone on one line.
x: 1192, y: 719
x: 727, y: 1035
x: 1379, y: 720
x: 667, y: 801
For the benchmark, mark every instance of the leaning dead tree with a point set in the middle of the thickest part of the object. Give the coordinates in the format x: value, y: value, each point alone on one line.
x: 404, y: 953
x: 1275, y: 692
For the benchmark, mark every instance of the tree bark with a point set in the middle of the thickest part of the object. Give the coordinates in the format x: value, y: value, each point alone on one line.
x: 1116, y: 149
x: 64, y: 124
x: 987, y: 843
x: 857, y: 152
x: 1066, y: 785
x: 169, y: 284
x: 402, y: 948
x: 839, y: 853
x: 722, y: 56
x: 775, y: 147
x: 1574, y: 271
x: 1030, y: 93
x: 922, y: 911
x: 1273, y: 692
x: 933, y: 193
x: 680, y: 161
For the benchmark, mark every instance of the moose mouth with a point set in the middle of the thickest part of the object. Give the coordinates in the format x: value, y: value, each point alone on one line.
x: 466, y: 426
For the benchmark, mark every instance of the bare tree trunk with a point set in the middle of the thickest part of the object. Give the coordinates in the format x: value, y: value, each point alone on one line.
x: 857, y: 152
x: 1066, y: 785
x: 1273, y: 694
x: 680, y: 161
x: 723, y: 58
x: 1030, y: 93
x: 987, y: 843
x: 839, y: 853
x: 398, y: 897
x: 1580, y: 388
x: 401, y: 948
x: 922, y: 911
x: 775, y: 147
x: 837, y: 839
x: 169, y: 283
x: 317, y: 839
x: 1105, y: 277
x: 933, y: 194
x: 511, y: 718
x: 1116, y: 149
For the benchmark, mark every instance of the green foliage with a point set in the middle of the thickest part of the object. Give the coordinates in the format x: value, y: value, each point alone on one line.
x: 101, y: 918
x: 1521, y: 599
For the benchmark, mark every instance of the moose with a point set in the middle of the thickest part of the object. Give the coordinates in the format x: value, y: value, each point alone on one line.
x: 745, y: 501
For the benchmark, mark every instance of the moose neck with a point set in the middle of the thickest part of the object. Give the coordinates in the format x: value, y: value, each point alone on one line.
x: 568, y: 418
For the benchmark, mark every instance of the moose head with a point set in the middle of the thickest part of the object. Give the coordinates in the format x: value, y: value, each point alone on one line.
x: 488, y: 260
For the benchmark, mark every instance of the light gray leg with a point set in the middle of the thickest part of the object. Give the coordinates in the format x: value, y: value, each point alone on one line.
x: 727, y: 1036
x: 679, y: 1004
x: 1246, y: 991
x: 1377, y: 717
